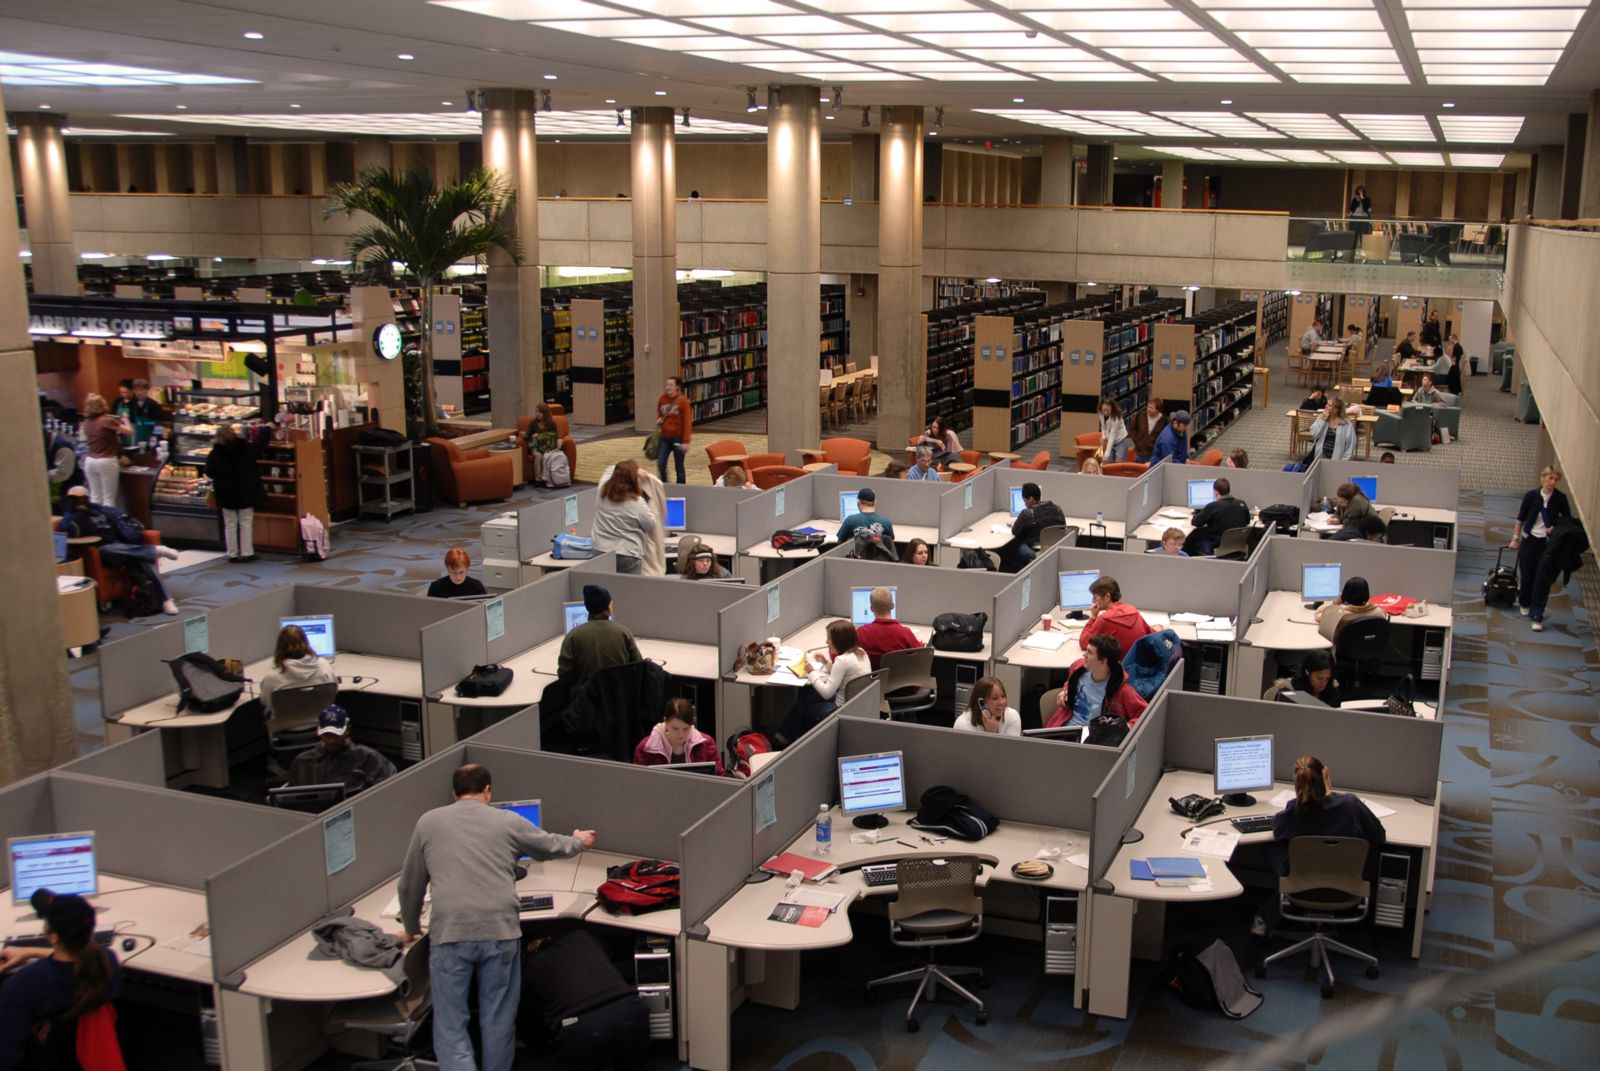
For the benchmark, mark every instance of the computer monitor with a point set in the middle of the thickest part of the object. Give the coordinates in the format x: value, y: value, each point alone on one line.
x: 1244, y: 765
x: 573, y: 614
x: 1319, y: 583
x: 725, y: 580
x: 319, y: 632
x: 1071, y: 734
x: 61, y: 546
x: 861, y: 605
x: 1017, y: 505
x: 870, y: 785
x: 849, y: 504
x: 677, y: 514
x: 1075, y: 597
x: 60, y: 862
x: 709, y: 768
x: 528, y: 809
x: 1368, y: 485
x: 312, y: 799
x: 1201, y: 493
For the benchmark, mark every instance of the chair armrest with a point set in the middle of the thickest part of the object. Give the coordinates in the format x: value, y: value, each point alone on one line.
x: 474, y: 455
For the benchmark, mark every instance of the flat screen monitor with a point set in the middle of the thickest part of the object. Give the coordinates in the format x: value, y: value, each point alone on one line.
x: 528, y: 809
x: 573, y: 615
x: 1244, y: 765
x: 1368, y: 485
x: 709, y: 768
x: 61, y: 546
x: 1201, y: 493
x: 60, y: 862
x: 1075, y: 588
x: 677, y: 514
x: 870, y: 785
x: 849, y: 504
x: 1017, y: 505
x: 1319, y: 583
x: 312, y: 799
x: 319, y: 632
x: 861, y: 605
x: 1072, y: 735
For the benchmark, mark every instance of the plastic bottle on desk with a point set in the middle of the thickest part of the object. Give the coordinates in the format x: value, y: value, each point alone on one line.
x: 824, y: 830
x: 1099, y: 518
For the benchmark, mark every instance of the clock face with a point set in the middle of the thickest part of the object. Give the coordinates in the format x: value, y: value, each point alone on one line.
x: 386, y: 341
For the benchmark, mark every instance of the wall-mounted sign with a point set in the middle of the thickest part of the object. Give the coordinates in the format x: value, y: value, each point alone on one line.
x: 387, y: 341
x: 92, y: 326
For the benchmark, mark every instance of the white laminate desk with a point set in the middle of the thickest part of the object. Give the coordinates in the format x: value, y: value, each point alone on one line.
x: 903, y: 533
x: 1414, y: 824
x: 726, y: 546
x: 815, y: 636
x: 984, y: 536
x: 742, y: 923
x: 1326, y: 523
x: 697, y: 660
x: 160, y: 918
x: 1284, y: 624
x: 1018, y: 654
x: 197, y: 745
x: 1180, y: 517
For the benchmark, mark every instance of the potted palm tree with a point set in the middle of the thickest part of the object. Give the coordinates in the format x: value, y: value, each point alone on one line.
x: 425, y: 230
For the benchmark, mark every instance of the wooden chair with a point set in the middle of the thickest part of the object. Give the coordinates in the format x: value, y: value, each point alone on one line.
x: 1124, y: 468
x: 838, y: 403
x: 1038, y: 463
x: 1303, y: 419
x: 822, y: 406
x: 1087, y: 444
x: 769, y: 476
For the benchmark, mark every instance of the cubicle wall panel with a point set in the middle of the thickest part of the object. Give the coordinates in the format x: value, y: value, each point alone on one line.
x: 973, y: 500
x: 260, y: 902
x: 26, y: 808
x: 1077, y: 495
x: 785, y: 506
x: 1372, y: 752
x: 140, y: 760
x: 1154, y: 581
x: 1143, y: 498
x: 902, y: 501
x: 1421, y: 574
x: 519, y: 732
x: 1398, y: 485
x: 1258, y: 487
x: 385, y: 816
x: 377, y: 622
x: 708, y: 510
x: 1252, y: 587
x: 1127, y: 786
x: 532, y: 615
x: 133, y: 670
x: 919, y: 596
x: 712, y: 858
x: 1022, y: 780
x: 248, y: 629
x: 538, y: 524
x: 666, y: 608
x: 450, y: 648
x: 1018, y: 606
x: 805, y: 775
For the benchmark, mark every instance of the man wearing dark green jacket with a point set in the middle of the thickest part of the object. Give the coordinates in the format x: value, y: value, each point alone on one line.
x: 597, y: 644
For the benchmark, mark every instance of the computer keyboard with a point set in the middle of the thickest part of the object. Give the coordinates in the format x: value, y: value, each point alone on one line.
x: 880, y: 874
x: 39, y: 940
x: 1253, y: 823
x: 536, y: 902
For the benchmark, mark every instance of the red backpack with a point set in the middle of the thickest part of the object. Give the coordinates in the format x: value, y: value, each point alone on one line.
x: 742, y: 747
x: 639, y: 887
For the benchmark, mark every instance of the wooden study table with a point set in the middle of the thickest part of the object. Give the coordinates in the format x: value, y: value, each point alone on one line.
x: 1364, y: 426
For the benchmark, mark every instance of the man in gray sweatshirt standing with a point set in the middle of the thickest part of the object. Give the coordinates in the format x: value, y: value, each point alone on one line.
x: 467, y: 852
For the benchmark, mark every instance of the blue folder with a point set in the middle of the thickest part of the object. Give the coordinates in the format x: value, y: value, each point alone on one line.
x: 1176, y: 866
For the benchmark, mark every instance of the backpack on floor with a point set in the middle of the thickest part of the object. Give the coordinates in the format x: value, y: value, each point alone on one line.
x: 639, y: 887
x: 205, y: 684
x: 557, y: 473
x: 973, y: 558
x: 1209, y: 978
x: 743, y: 746
x: 143, y: 599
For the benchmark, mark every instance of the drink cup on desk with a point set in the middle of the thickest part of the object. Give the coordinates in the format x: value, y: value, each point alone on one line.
x: 1046, y: 622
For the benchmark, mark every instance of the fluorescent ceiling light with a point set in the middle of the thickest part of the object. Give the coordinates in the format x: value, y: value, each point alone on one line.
x: 623, y: 27
x: 1005, y: 55
x: 1306, y: 18
x: 693, y: 44
x: 1203, y: 76
x: 942, y: 22
x: 1417, y: 159
x: 101, y: 132
x: 1068, y: 67
x: 1162, y: 39
x: 1325, y: 55
x: 531, y: 10
x: 1187, y: 151
x: 1191, y: 67
x: 1198, y: 55
x: 1441, y: 72
x: 760, y: 26
x: 1476, y: 159
x: 1223, y: 124
x: 443, y: 124
x: 853, y: 7
x: 1329, y: 39
x: 1304, y: 156
x: 1411, y: 4
x: 1073, y: 21
x: 1307, y: 69
x: 1392, y: 127
x: 21, y: 68
x: 1491, y: 80
x: 1509, y: 18
x: 1481, y: 128
x: 946, y: 64
x: 826, y: 42
x: 1359, y: 156
x: 813, y: 66
x: 873, y: 55
x: 1254, y: 156
x: 1139, y: 122
x: 1489, y: 55
x: 755, y: 55
x: 1498, y: 39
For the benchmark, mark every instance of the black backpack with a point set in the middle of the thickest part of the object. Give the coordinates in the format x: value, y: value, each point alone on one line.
x: 1500, y: 586
x: 143, y: 599
x: 958, y: 632
x: 973, y: 558
x: 1208, y: 977
x: 1108, y: 730
x: 870, y: 546
x: 949, y: 813
x: 204, y: 683
x: 1288, y: 517
x: 789, y: 539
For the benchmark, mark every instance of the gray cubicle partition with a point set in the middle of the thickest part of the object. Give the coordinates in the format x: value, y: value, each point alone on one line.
x: 1150, y: 581
x: 26, y: 807
x: 1018, y: 606
x: 1253, y: 585
x: 1421, y: 574
x: 1142, y: 499
x: 1127, y: 785
x: 139, y: 760
x: 533, y: 614
x: 1077, y: 494
x: 1258, y: 487
x: 920, y: 596
x: 379, y: 622
x: 1398, y: 485
x: 801, y: 782
x: 707, y: 510
x: 519, y: 732
x: 969, y: 502
x: 711, y: 858
x: 450, y: 648
x: 902, y: 501
x: 538, y: 524
x: 1372, y: 752
x: 664, y: 608
x: 798, y: 603
x: 785, y: 506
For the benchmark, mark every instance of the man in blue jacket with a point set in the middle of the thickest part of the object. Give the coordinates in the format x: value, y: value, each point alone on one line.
x: 1173, y: 442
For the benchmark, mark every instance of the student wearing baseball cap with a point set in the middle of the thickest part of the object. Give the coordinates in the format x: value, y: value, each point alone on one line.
x: 866, y: 518
x: 72, y: 979
x: 337, y: 759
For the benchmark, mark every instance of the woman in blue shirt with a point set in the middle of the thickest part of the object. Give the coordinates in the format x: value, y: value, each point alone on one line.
x: 72, y: 978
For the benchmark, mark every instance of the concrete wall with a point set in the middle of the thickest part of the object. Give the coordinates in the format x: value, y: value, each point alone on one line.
x: 1554, y: 312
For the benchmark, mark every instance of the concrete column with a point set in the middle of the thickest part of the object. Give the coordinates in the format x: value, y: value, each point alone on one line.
x: 42, y: 163
x: 655, y: 260
x: 1447, y: 200
x: 1096, y: 187
x: 1589, y: 182
x: 1572, y: 165
x: 372, y: 151
x: 516, y: 365
x: 1057, y: 171
x: 233, y: 166
x: 1172, y: 184
x: 794, y: 266
x: 1547, y: 182
x: 902, y: 349
x: 863, y: 168
x: 36, y: 726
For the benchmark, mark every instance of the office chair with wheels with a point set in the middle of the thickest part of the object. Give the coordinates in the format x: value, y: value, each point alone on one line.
x: 1234, y: 545
x: 1326, y: 886
x: 1049, y: 699
x: 403, y: 1019
x: 1058, y: 533
x: 1358, y: 651
x: 856, y: 685
x: 911, y: 690
x: 938, y: 905
x: 293, y: 725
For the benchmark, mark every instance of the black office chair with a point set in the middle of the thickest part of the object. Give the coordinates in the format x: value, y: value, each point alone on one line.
x: 1358, y: 651
x: 911, y: 689
x: 403, y: 1019
x: 293, y: 725
x: 1234, y: 545
x: 856, y: 685
x: 1326, y: 886
x: 938, y: 905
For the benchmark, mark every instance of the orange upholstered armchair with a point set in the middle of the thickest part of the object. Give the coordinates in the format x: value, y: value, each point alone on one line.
x: 1211, y: 457
x: 469, y: 476
x: 1087, y: 444
x: 563, y: 436
x: 852, y: 456
x: 719, y: 449
x: 1039, y: 462
x: 768, y: 476
x: 110, y: 581
x: 1124, y: 468
x: 762, y: 461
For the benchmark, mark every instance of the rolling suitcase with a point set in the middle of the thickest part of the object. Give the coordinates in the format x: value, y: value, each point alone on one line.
x: 1500, y: 586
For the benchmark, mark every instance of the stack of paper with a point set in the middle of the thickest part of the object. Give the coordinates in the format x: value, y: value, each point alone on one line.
x: 1045, y: 641
x: 1213, y: 842
x: 1156, y: 619
x: 1378, y: 810
x: 961, y: 541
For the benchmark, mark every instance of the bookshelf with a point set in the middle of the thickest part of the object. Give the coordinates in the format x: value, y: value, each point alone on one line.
x: 1362, y: 310
x: 952, y: 357
x: 1306, y: 307
x: 1107, y: 355
x: 602, y: 360
x: 1272, y: 318
x: 1208, y: 359
x: 461, y: 350
x: 556, y: 324
x: 294, y: 477
x: 834, y: 340
x: 948, y: 292
x: 722, y: 350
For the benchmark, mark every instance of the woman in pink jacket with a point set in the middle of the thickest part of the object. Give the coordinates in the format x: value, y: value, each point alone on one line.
x: 675, y: 740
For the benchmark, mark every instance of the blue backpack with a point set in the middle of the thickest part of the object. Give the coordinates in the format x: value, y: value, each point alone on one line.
x: 567, y: 547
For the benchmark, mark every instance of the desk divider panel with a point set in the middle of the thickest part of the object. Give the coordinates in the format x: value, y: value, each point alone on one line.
x: 133, y: 670
x: 140, y: 760
x: 1374, y: 752
x: 1253, y: 588
x: 667, y: 608
x: 1019, y: 780
x: 799, y: 604
x: 519, y: 732
x: 385, y: 816
x: 916, y: 598
x: 1078, y: 495
x: 533, y: 615
x: 450, y: 648
x: 1017, y: 607
x: 969, y: 502
x: 758, y: 516
x: 1398, y: 485
x: 805, y: 775
x: 743, y: 622
x: 538, y: 524
x: 634, y: 810
x: 27, y: 808
x: 248, y: 629
x: 1258, y: 487
x: 708, y: 510
x: 713, y: 867
x: 154, y: 834
x: 1155, y: 581
x: 1421, y: 574
x: 265, y: 899
x: 1127, y: 786
x: 902, y: 501
x: 378, y: 622
x: 1143, y: 499
x: 604, y: 564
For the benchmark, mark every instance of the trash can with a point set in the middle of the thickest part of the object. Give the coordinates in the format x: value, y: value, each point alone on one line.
x: 1527, y: 408
x: 1505, y: 372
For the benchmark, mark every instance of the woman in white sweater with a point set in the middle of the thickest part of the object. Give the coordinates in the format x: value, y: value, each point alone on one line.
x: 987, y: 712
x: 1114, y: 441
x: 294, y: 665
x: 825, y: 681
x: 624, y: 523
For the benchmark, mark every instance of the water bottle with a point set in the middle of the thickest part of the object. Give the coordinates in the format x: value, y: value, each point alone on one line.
x: 824, y: 829
x: 1099, y: 518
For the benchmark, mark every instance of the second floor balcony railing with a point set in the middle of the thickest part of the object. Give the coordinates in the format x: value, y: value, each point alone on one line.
x: 1446, y: 244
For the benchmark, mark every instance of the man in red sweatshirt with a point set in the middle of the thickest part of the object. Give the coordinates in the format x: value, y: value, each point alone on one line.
x: 883, y: 633
x: 1110, y: 616
x: 675, y: 421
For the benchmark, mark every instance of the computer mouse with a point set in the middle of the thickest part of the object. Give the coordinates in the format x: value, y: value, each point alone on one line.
x: 128, y: 944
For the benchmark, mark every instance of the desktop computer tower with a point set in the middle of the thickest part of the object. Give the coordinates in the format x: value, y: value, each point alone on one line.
x: 410, y: 730
x: 1394, y: 887
x: 966, y: 677
x: 1060, y: 935
x: 652, y: 974
x: 1433, y: 654
x: 1210, y: 669
x: 210, y: 1037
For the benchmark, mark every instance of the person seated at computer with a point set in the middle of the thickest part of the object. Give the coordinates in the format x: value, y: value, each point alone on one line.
x: 922, y: 468
x: 1110, y: 616
x: 599, y: 643
x: 1172, y: 541
x: 576, y: 1008
x: 1368, y: 529
x: 1038, y: 513
x: 895, y: 470
x: 455, y: 581
x: 1350, y: 504
x: 917, y: 552
x: 1173, y: 442
x: 1090, y: 467
x: 736, y: 476
x: 674, y: 740
x: 826, y: 675
x: 883, y: 633
x: 1354, y: 602
x: 1096, y: 686
x: 81, y: 518
x: 1314, y: 678
x: 1427, y: 394
x: 866, y: 518
x: 294, y: 665
x: 700, y: 563
x: 1217, y: 516
x: 337, y: 759
x: 1332, y: 436
x: 987, y: 711
x: 1317, y: 399
x: 71, y: 978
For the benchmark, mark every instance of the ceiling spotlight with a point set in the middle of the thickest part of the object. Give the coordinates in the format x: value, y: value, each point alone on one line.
x: 750, y: 98
x: 1449, y: 104
x: 838, y: 97
x: 446, y: 103
x: 661, y: 92
x: 620, y: 121
x: 685, y: 118
x: 544, y: 100
x: 254, y: 35
x: 866, y: 117
x: 1016, y: 100
x: 611, y: 100
x: 46, y: 107
x: 549, y: 78
x: 294, y: 105
x: 183, y: 107
x: 1225, y: 101
x: 938, y: 117
x: 404, y: 56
